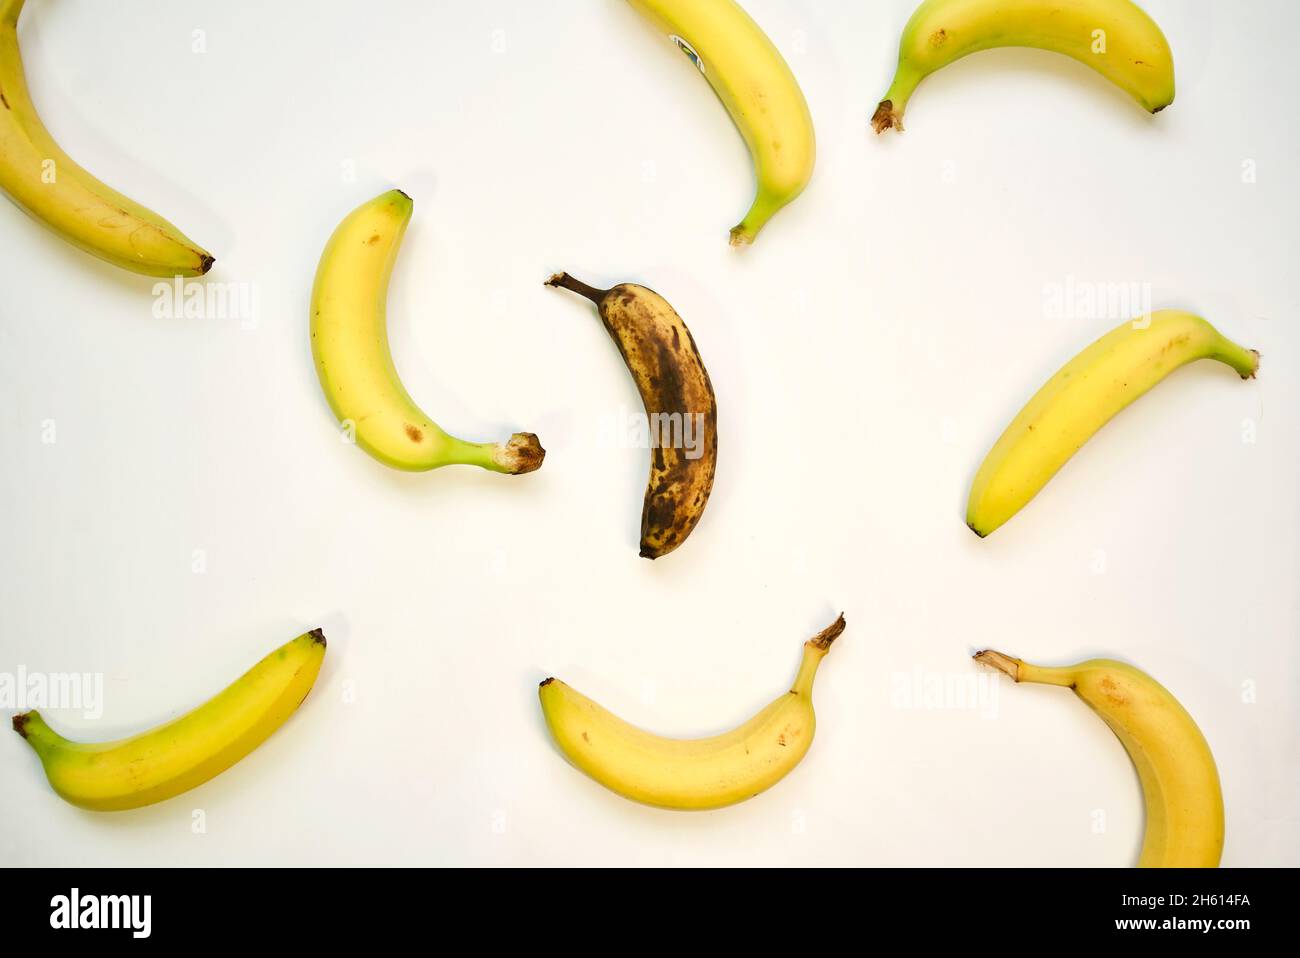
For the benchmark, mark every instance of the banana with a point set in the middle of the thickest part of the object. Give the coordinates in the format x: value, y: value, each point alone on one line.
x: 680, y: 407
x: 689, y: 774
x: 349, y: 341
x: 1114, y: 37
x: 186, y: 752
x: 47, y: 185
x: 1180, y: 784
x: 756, y: 86
x: 1082, y: 397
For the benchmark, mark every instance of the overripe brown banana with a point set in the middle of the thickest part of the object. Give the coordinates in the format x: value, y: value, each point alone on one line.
x: 679, y: 403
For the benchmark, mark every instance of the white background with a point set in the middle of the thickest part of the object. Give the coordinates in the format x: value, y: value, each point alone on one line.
x: 866, y: 353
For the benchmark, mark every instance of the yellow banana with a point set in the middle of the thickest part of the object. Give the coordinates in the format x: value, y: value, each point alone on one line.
x: 1180, y: 784
x: 1114, y: 37
x: 689, y: 773
x: 349, y: 341
x: 1082, y: 397
x: 681, y: 410
x: 186, y: 752
x: 756, y: 86
x: 47, y: 185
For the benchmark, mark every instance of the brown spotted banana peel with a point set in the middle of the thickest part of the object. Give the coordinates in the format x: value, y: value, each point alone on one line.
x: 679, y: 403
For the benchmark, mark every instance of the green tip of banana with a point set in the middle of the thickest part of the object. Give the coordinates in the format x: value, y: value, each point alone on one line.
x: 400, y: 199
x: 1255, y: 368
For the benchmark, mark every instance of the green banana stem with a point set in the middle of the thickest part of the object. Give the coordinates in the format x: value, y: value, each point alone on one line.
x: 1244, y: 361
x: 889, y: 114
x: 764, y: 208
x: 31, y: 726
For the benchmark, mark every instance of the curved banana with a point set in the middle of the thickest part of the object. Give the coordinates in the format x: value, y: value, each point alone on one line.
x: 681, y: 410
x: 349, y: 341
x: 47, y: 185
x: 1180, y: 784
x: 689, y: 774
x: 186, y: 752
x: 1082, y: 397
x: 756, y: 86
x: 1114, y: 37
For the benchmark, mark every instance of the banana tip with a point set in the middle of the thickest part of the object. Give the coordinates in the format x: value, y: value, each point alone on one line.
x: 565, y: 281
x: 545, y: 682
x: 971, y: 526
x: 523, y: 453
x: 741, y: 237
x: 886, y: 118
x: 317, y: 636
x: 823, y: 639
x: 20, y: 723
x: 205, y: 263
x: 996, y: 660
x: 1255, y: 368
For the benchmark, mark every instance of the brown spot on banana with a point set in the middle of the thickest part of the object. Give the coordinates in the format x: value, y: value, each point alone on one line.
x: 675, y: 389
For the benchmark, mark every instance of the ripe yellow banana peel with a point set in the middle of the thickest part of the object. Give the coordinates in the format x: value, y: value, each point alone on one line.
x: 1180, y: 782
x: 1114, y: 37
x: 44, y: 182
x: 1082, y: 397
x: 349, y: 342
x: 186, y: 752
x: 689, y: 774
x: 758, y: 89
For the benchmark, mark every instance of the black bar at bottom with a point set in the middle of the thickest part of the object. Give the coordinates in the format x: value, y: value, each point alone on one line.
x: 330, y: 907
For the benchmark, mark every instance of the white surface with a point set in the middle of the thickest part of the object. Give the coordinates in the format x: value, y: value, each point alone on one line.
x: 866, y: 353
